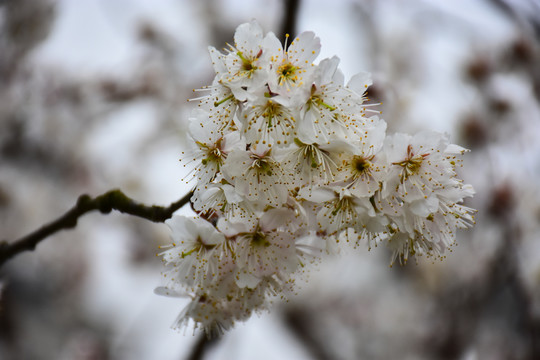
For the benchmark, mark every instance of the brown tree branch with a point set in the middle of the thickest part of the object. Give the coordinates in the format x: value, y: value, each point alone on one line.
x: 111, y: 200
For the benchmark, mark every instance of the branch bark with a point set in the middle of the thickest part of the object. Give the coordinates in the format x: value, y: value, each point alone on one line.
x: 105, y: 203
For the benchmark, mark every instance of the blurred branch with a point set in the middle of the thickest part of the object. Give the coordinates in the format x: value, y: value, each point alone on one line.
x: 105, y: 203
x: 500, y: 295
x: 290, y: 13
x: 299, y: 321
x: 508, y: 9
x: 201, y: 346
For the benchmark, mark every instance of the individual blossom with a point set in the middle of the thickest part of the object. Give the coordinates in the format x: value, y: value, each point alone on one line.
x: 362, y: 168
x: 257, y: 175
x: 197, y: 256
x: 220, y: 107
x: 212, y: 314
x: 420, y: 165
x: 292, y: 67
x: 429, y: 235
x: 222, y: 200
x: 311, y: 163
x: 321, y: 108
x: 246, y: 61
x: 337, y: 208
x: 210, y: 148
x: 437, y: 228
x: 266, y: 248
x: 355, y: 100
x: 268, y: 120
x: 215, y: 309
x: 333, y: 110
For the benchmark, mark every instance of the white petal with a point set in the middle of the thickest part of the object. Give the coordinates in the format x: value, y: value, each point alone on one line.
x: 318, y: 195
x: 326, y: 70
x: 305, y: 47
x: 274, y: 218
x: 217, y: 60
x: 165, y: 291
x: 425, y: 207
x: 455, y: 149
x: 360, y: 82
x: 245, y: 279
x: 248, y: 37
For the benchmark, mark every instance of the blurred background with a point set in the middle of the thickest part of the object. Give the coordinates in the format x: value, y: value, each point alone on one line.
x: 93, y: 96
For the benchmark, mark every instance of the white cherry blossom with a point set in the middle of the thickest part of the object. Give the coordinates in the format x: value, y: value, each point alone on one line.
x: 209, y: 148
x: 268, y: 249
x: 290, y: 159
x: 363, y: 167
x: 257, y: 175
x: 246, y: 62
x: 269, y: 120
x: 292, y: 68
x: 197, y: 256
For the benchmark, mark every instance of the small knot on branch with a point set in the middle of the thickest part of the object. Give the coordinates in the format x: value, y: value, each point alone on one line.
x: 84, y: 201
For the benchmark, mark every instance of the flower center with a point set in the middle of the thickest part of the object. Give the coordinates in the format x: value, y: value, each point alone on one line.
x: 361, y: 164
x: 261, y: 164
x: 214, y: 153
x: 199, y: 245
x: 247, y: 63
x: 286, y: 72
x: 411, y: 165
x: 259, y: 239
x: 344, y: 207
x: 271, y: 110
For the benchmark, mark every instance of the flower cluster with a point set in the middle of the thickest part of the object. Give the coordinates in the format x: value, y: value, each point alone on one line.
x: 289, y: 162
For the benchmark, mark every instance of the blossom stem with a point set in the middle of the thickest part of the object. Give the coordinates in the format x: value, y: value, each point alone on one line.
x: 113, y: 199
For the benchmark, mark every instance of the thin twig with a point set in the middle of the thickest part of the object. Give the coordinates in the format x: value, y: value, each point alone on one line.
x: 111, y: 200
